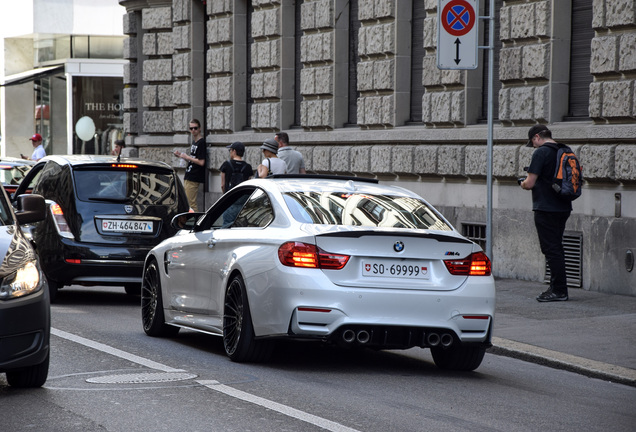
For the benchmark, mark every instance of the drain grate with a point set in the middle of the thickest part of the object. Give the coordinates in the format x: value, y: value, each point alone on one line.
x: 142, y: 378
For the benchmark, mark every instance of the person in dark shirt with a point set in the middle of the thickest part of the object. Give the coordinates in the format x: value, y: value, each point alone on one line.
x: 551, y: 212
x: 195, y: 171
x: 235, y: 167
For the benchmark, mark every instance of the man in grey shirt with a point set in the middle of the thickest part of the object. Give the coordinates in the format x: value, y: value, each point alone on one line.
x: 293, y: 158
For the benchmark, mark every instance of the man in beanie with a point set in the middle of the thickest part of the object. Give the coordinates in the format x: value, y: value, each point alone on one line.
x: 271, y: 164
x: 551, y: 212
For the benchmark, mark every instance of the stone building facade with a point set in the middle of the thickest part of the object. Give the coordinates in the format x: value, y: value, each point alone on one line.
x: 356, y: 86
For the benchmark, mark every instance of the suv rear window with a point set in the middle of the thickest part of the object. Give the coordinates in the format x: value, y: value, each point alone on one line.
x: 134, y: 186
x: 370, y: 210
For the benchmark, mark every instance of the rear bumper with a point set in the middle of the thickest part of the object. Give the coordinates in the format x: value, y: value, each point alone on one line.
x: 313, y: 307
x: 25, y: 327
x: 97, y: 265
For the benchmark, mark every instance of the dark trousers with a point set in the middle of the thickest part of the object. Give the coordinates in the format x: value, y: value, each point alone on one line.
x: 550, y: 227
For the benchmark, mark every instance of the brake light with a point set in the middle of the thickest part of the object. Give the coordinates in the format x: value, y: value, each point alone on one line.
x: 60, y: 221
x: 122, y: 165
x: 297, y: 254
x: 476, y: 264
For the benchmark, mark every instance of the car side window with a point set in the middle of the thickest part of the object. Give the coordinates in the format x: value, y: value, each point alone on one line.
x: 223, y: 214
x: 256, y: 213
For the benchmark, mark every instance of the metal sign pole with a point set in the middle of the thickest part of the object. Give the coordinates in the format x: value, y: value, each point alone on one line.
x: 491, y: 67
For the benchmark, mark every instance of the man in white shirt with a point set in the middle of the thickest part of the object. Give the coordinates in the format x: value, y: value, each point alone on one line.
x: 38, y: 149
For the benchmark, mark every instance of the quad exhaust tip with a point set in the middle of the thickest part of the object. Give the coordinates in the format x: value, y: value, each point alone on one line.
x: 434, y: 339
x: 363, y: 337
x: 348, y: 336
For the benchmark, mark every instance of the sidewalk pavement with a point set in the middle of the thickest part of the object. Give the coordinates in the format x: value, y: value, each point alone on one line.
x: 592, y: 333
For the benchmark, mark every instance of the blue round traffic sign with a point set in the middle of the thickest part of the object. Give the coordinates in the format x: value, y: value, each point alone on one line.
x: 458, y: 17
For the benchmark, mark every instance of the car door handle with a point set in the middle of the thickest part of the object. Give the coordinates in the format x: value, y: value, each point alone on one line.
x: 211, y: 242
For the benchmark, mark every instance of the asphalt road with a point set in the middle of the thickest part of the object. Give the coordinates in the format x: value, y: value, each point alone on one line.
x: 107, y: 375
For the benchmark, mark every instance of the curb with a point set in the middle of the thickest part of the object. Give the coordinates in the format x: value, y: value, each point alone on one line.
x: 557, y: 360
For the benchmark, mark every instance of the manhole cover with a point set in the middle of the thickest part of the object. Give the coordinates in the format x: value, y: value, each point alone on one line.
x: 142, y: 378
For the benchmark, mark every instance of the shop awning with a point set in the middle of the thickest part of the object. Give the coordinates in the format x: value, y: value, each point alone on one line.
x: 31, y: 75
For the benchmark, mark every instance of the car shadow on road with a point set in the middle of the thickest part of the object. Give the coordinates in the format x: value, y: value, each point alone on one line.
x: 103, y: 296
x: 310, y: 357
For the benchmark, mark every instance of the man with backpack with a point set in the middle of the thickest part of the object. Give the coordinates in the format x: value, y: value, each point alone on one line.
x: 551, y: 209
x: 235, y: 170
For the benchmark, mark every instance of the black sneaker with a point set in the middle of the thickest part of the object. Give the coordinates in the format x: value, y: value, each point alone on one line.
x: 550, y: 296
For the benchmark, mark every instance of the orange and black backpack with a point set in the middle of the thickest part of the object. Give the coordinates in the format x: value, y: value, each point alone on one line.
x: 568, y: 177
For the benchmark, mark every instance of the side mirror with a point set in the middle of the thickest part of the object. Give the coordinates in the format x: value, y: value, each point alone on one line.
x: 185, y: 221
x: 31, y: 208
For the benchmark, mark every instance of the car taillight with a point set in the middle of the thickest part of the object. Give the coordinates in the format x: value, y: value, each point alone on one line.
x: 297, y: 254
x: 476, y: 264
x: 60, y: 221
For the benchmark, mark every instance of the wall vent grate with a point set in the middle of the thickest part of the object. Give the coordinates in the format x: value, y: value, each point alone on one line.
x: 475, y: 232
x: 573, y: 246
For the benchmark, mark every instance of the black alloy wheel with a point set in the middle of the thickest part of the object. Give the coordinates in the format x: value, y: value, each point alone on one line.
x: 152, y: 316
x: 238, y: 331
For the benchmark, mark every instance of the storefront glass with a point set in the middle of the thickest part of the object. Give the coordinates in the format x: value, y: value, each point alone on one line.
x: 97, y: 114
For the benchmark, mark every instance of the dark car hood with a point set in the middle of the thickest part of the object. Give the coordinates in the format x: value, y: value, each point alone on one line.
x: 15, y: 249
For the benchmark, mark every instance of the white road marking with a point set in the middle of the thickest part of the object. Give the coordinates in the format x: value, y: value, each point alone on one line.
x: 113, y: 351
x: 211, y: 384
x: 274, y: 406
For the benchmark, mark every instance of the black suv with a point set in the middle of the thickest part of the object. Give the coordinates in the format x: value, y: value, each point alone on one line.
x: 104, y: 215
x: 25, y: 317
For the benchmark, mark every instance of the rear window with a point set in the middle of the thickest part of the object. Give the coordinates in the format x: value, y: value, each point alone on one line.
x: 344, y: 208
x: 133, y: 186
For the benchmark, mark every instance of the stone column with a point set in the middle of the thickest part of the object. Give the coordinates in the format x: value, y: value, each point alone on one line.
x: 534, y: 61
x: 157, y: 75
x: 272, y: 61
x: 613, y: 61
x: 132, y: 48
x: 324, y: 55
x: 186, y: 43
x: 384, y: 71
x: 226, y: 65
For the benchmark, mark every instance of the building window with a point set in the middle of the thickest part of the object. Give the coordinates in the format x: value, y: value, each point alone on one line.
x: 484, y: 63
x: 580, y: 53
x: 298, y: 65
x: 354, y: 59
x: 417, y: 56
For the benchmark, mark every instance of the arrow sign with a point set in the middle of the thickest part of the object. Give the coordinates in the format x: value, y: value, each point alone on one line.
x: 457, y: 43
x: 457, y: 34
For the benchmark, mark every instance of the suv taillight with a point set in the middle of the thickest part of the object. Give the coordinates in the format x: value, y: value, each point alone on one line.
x: 476, y: 264
x: 60, y: 221
x: 297, y: 254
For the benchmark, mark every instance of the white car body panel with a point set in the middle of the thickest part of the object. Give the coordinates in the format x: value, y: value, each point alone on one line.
x: 200, y: 266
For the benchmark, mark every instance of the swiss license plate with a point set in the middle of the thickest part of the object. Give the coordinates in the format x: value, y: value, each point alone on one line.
x: 395, y: 269
x: 127, y: 226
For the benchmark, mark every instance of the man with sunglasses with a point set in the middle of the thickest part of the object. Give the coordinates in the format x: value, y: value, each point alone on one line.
x: 195, y: 171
